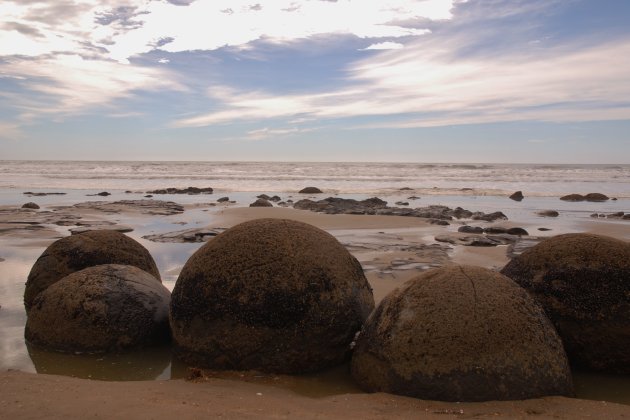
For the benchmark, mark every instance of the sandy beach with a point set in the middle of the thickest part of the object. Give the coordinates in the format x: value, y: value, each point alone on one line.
x: 391, y: 249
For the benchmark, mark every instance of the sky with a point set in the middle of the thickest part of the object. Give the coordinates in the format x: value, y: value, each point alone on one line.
x: 515, y: 81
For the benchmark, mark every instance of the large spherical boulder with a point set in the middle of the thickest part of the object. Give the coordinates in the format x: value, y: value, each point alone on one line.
x: 76, y: 252
x: 461, y: 333
x: 583, y: 282
x: 103, y: 308
x: 269, y: 294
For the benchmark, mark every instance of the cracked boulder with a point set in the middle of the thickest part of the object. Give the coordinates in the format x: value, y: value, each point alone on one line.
x: 100, y: 309
x: 583, y: 282
x: 76, y: 252
x: 272, y: 295
x: 461, y: 333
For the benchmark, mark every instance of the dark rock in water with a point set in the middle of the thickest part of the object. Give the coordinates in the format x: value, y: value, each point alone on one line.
x: 518, y: 231
x: 461, y: 333
x: 489, y: 217
x: 117, y: 228
x: 582, y: 281
x: 470, y: 229
x: 223, y: 199
x: 148, y: 196
x: 42, y: 194
x: 185, y: 236
x: 100, y: 309
x: 495, y: 230
x: 460, y: 213
x: 617, y: 215
x: 482, y: 241
x: 2, y: 260
x: 151, y: 207
x: 335, y: 205
x: 413, y: 197
x: 626, y: 216
x: 548, y: 213
x: 439, y: 222
x: 76, y: 252
x: 614, y: 199
x: 310, y: 190
x: 188, y: 190
x: 596, y: 197
x: 261, y: 202
x: 406, y: 189
x: 264, y: 197
x: 573, y: 197
x: 517, y: 196
x: 101, y: 194
x: 272, y: 295
x: 275, y: 198
x: 402, y: 203
x: 543, y: 229
x: 30, y: 205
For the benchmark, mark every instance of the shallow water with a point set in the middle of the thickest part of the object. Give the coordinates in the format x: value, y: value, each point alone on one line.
x: 151, y: 364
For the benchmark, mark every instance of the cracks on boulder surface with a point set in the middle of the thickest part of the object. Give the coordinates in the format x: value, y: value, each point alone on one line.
x: 472, y: 284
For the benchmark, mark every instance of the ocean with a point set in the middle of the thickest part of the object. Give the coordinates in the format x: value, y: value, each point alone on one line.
x: 484, y: 179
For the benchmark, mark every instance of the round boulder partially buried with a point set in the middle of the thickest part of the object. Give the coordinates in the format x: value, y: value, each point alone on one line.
x: 583, y: 282
x: 269, y: 294
x: 100, y: 309
x: 76, y: 252
x: 461, y: 333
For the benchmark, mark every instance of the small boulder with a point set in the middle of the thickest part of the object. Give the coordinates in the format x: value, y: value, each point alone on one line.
x: 261, y: 202
x: 30, y: 205
x: 223, y: 199
x: 100, y: 309
x: 470, y: 229
x: 461, y: 333
x: 495, y: 230
x: 517, y: 196
x: 596, y: 197
x: 583, y: 282
x: 76, y: 252
x: 548, y: 213
x: 311, y: 190
x: 573, y: 197
x: 517, y: 231
x: 269, y: 294
x: 489, y: 217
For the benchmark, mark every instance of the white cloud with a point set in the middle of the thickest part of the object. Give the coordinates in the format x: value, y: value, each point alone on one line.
x: 76, y: 84
x: 425, y: 83
x: 266, y: 132
x: 385, y: 46
x: 129, y: 27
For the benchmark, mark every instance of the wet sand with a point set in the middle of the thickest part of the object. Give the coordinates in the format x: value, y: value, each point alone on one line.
x: 392, y: 249
x: 29, y: 396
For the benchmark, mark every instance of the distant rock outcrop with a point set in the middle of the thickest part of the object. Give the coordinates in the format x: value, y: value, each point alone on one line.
x: 188, y: 190
x: 517, y: 196
x: 30, y: 205
x: 311, y: 190
x: 261, y: 202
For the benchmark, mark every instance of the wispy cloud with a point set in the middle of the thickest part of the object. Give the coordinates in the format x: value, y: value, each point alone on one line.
x: 428, y: 85
x: 71, y: 84
x: 265, y: 133
x: 385, y: 46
